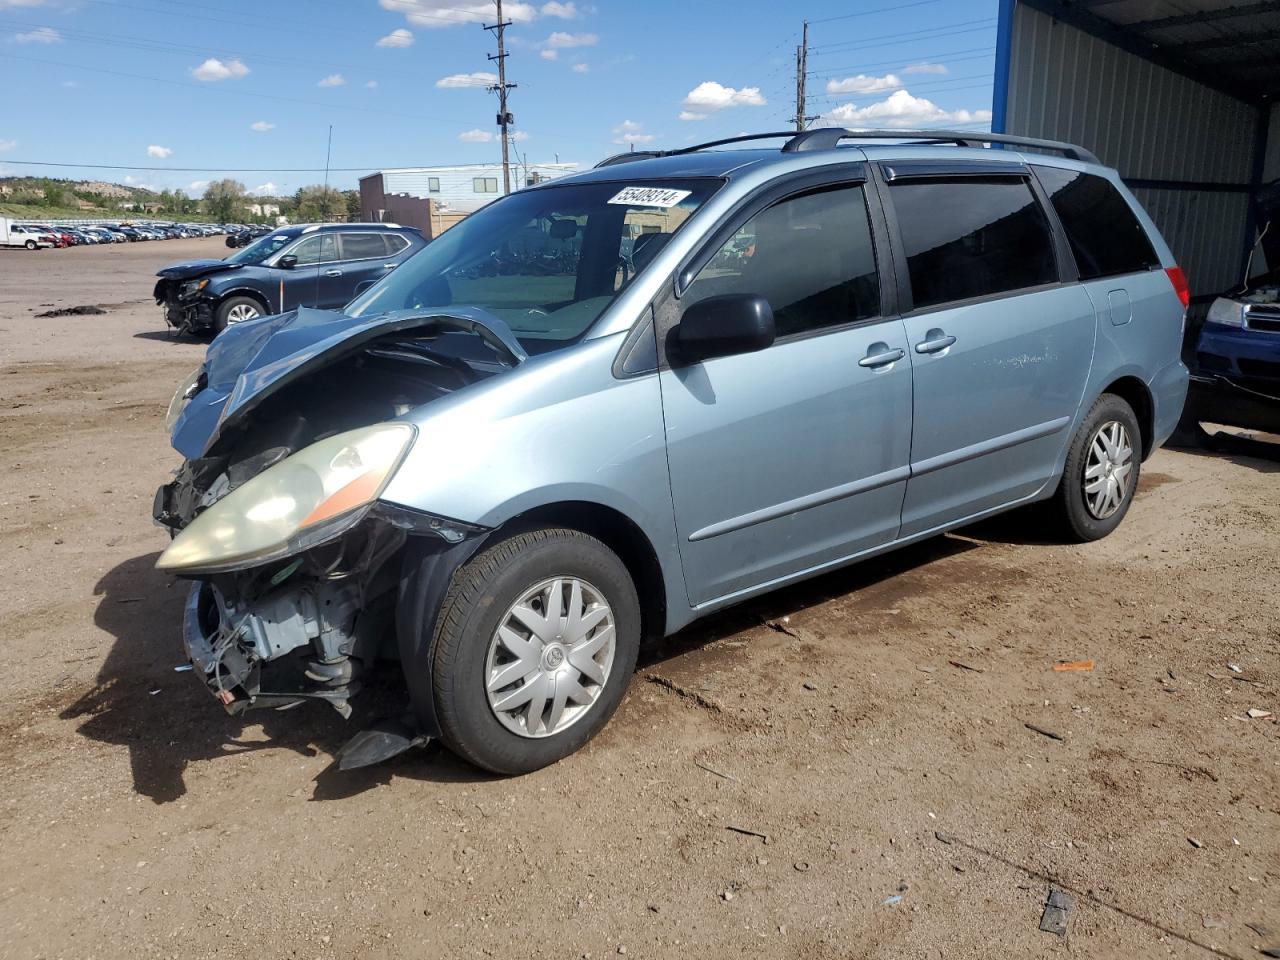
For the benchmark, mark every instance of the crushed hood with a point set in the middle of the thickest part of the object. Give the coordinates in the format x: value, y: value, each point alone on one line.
x: 248, y: 362
x: 190, y: 269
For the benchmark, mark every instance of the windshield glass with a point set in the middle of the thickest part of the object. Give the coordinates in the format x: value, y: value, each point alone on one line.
x: 260, y: 249
x: 546, y: 261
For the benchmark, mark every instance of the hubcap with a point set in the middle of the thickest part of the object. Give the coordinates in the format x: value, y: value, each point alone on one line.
x: 1109, y: 469
x: 241, y: 312
x: 550, y: 658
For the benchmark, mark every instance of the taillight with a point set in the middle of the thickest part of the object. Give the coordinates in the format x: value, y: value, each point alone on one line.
x: 1179, y: 281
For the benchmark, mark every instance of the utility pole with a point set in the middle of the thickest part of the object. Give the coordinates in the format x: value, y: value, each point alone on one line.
x: 500, y: 88
x: 802, y: 69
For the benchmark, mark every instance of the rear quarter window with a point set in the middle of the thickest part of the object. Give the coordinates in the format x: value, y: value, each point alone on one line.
x: 968, y: 237
x: 1105, y: 236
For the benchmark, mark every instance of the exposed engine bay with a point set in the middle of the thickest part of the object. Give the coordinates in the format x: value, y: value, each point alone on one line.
x: 310, y: 626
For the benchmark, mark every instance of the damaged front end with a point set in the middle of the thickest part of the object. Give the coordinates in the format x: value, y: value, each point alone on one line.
x: 292, y: 432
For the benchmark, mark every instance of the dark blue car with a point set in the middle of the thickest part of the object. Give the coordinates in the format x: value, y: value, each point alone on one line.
x: 1236, y: 377
x: 317, y: 265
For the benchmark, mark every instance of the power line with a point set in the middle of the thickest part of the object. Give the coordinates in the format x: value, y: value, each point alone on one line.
x: 372, y: 166
x: 867, y: 13
x: 889, y: 39
x: 928, y: 58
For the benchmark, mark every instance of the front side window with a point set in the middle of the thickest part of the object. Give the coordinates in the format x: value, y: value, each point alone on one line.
x: 318, y: 249
x: 363, y: 246
x: 548, y: 261
x: 1105, y: 236
x: 810, y: 256
x: 972, y: 237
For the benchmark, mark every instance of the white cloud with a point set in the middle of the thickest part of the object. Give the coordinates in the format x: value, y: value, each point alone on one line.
x: 9, y: 4
x: 261, y: 126
x: 628, y: 131
x: 39, y: 35
x: 159, y: 152
x: 214, y: 69
x: 371, y: 85
x: 438, y: 14
x: 69, y: 84
x: 475, y: 136
x: 397, y: 38
x: 332, y: 80
x: 563, y: 41
x: 580, y: 68
x: 197, y: 186
x: 549, y: 54
x: 565, y: 11
x: 925, y: 68
x: 479, y: 79
x: 267, y: 189
x: 7, y: 145
x: 901, y: 109
x: 709, y: 96
x: 864, y: 84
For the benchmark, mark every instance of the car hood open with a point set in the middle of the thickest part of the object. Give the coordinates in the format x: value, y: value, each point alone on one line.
x: 190, y: 269
x: 248, y: 362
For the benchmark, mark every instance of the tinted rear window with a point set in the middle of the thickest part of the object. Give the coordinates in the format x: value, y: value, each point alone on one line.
x: 363, y: 246
x: 1105, y: 236
x: 970, y: 237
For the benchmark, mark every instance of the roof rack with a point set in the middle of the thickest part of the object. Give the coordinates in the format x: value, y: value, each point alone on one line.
x: 827, y: 138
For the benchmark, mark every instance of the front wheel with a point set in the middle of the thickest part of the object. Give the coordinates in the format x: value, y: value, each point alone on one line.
x: 536, y: 642
x: 32, y: 245
x: 235, y: 310
x: 1102, y: 469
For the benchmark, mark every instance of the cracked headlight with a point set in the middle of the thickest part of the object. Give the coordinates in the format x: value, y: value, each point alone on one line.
x: 187, y: 389
x: 191, y: 288
x: 304, y: 500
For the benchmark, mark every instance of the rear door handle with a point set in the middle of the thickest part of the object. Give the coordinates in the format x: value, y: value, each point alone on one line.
x: 882, y: 357
x: 935, y: 341
x: 333, y: 273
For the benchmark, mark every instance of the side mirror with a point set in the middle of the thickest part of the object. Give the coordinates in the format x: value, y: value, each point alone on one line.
x: 723, y: 326
x: 287, y: 262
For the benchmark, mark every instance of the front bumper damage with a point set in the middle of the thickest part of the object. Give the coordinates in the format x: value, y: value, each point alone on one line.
x: 184, y: 315
x: 312, y: 626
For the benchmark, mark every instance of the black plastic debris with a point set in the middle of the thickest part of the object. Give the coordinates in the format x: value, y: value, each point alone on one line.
x: 86, y: 310
x: 382, y: 741
x: 1056, y: 908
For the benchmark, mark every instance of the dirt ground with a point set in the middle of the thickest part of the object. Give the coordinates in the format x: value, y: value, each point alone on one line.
x: 872, y: 725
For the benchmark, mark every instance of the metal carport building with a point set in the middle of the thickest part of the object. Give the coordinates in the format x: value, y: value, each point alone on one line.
x: 1178, y: 95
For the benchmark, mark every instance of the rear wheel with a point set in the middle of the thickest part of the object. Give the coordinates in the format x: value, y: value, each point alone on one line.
x: 1101, y: 473
x: 235, y: 310
x: 536, y: 642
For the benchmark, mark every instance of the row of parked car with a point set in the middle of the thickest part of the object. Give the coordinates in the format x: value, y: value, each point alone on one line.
x: 35, y: 236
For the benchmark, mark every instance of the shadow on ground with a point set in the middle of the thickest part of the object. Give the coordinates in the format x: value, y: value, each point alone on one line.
x: 168, y: 721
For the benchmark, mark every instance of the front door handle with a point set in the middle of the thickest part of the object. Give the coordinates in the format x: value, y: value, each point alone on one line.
x: 388, y: 266
x: 882, y: 357
x: 935, y: 341
x: 333, y: 273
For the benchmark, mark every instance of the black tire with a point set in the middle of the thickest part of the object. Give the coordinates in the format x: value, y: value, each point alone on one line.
x: 221, y: 316
x: 1069, y: 507
x: 478, y: 598
x: 32, y: 245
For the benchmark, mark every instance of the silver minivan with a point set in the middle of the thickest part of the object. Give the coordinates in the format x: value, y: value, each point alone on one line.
x: 605, y: 406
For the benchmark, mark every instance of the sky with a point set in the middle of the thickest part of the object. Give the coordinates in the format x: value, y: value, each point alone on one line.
x: 222, y: 84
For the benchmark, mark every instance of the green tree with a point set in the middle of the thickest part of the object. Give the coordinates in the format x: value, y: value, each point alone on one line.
x: 54, y: 195
x: 224, y: 200
x: 319, y: 204
x: 353, y: 205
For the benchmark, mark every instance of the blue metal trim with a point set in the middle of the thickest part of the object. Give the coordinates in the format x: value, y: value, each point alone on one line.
x: 1004, y: 58
x: 983, y: 447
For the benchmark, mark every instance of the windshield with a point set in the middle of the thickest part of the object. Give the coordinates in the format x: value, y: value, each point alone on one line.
x: 260, y: 249
x: 546, y: 261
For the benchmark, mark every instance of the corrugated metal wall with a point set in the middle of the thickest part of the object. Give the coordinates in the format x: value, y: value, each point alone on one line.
x: 1148, y: 123
x: 1271, y: 168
